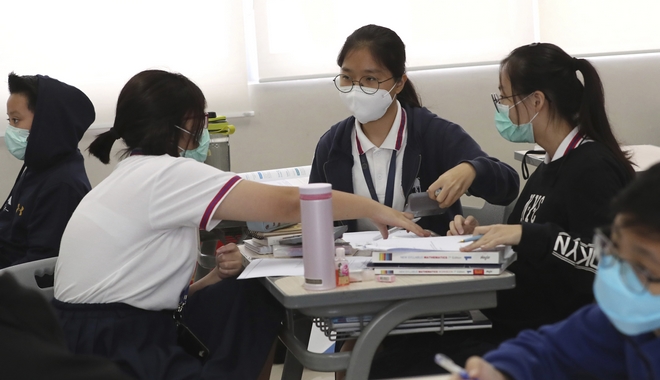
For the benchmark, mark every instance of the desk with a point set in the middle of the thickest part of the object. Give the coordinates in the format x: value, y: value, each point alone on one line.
x: 391, y: 303
x: 643, y: 156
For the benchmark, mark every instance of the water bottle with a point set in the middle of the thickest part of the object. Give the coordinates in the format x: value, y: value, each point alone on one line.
x: 317, y: 236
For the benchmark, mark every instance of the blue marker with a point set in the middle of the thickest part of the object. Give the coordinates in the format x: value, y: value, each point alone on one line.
x: 451, y: 367
x: 471, y: 238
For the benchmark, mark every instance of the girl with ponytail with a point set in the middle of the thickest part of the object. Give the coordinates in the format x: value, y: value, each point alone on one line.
x: 542, y: 100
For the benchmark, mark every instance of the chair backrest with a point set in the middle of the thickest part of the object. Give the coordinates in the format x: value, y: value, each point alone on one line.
x: 489, y: 213
x: 26, y: 274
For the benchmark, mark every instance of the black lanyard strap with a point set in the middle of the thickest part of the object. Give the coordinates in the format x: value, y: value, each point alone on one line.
x: 391, y: 174
x: 389, y: 192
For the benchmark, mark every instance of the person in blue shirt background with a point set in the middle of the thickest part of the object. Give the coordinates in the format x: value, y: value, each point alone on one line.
x: 392, y: 146
x: 616, y: 338
x: 47, y: 119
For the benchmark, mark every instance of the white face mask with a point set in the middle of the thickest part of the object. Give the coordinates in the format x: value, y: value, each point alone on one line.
x: 365, y: 107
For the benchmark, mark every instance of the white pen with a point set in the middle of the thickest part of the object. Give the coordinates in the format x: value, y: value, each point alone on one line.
x: 451, y: 367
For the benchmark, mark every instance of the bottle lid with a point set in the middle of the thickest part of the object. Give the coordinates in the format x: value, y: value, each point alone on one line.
x: 316, y: 189
x: 340, y: 252
x: 368, y: 274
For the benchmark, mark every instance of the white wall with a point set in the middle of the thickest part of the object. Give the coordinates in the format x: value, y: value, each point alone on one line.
x: 291, y: 116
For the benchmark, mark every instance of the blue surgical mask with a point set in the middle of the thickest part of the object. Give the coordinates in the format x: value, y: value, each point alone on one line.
x: 629, y: 312
x: 202, y: 150
x: 16, y: 141
x: 508, y: 130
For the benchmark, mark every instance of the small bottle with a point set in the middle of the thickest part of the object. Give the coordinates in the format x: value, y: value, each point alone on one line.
x: 342, y: 275
x: 318, y: 242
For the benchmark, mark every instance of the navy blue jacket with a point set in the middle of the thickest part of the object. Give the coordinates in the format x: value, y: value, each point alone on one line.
x: 434, y: 146
x: 53, y: 179
x: 584, y: 346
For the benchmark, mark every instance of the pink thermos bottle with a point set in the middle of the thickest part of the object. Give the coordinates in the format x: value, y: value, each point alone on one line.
x: 317, y: 236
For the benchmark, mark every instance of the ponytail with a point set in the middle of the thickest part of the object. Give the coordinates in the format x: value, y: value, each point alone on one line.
x: 102, y: 145
x: 592, y: 118
x: 409, y: 95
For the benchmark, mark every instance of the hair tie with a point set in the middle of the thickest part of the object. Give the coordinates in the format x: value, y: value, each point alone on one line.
x: 576, y: 64
x: 114, y: 133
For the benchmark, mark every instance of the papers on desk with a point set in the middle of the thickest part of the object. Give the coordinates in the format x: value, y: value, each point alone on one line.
x: 404, y: 241
x: 290, y: 267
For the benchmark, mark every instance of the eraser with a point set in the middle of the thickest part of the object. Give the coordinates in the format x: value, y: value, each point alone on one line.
x: 368, y: 274
x: 385, y: 278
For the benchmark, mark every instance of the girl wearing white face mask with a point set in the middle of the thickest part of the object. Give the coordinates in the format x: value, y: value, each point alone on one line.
x: 392, y: 146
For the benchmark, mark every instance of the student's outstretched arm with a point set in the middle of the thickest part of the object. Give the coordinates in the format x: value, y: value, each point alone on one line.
x: 253, y: 201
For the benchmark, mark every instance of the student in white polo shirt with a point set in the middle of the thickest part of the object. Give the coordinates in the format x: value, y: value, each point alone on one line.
x: 129, y: 250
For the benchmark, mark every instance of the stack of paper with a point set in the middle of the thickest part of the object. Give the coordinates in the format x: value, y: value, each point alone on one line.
x: 407, y: 253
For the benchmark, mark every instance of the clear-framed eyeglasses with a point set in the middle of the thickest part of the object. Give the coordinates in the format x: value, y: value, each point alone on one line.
x: 634, y: 276
x: 368, y: 84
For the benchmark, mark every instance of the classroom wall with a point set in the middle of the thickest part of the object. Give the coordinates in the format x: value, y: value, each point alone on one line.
x: 291, y: 116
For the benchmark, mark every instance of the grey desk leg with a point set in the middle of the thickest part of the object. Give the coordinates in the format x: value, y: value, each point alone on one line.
x: 366, y: 345
x: 302, y: 329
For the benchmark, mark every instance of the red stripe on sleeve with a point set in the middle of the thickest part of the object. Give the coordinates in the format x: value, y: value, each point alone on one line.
x: 218, y: 197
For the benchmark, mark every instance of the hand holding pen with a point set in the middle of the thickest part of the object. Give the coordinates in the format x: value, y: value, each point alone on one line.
x: 476, y: 368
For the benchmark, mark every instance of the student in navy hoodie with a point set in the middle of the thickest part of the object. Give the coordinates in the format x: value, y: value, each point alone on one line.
x: 392, y: 146
x: 616, y: 338
x: 47, y: 119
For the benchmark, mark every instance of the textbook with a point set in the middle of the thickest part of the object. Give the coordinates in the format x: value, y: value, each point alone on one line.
x: 498, y: 256
x: 442, y: 269
x: 258, y: 248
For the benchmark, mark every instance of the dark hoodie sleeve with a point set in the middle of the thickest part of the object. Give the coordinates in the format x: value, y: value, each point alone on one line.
x: 585, y: 345
x: 496, y: 182
x: 51, y: 212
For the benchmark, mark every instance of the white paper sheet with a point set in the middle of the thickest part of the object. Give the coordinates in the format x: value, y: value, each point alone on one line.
x: 434, y: 243
x: 290, y: 267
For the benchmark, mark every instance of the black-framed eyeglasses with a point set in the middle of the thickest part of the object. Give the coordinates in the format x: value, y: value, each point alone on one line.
x: 634, y: 276
x: 497, y: 99
x: 368, y: 84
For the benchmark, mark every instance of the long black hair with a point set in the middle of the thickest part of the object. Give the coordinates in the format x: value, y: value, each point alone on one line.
x: 547, y: 68
x: 150, y: 107
x: 387, y: 49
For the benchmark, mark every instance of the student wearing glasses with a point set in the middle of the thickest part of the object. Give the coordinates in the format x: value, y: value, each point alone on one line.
x: 542, y: 100
x: 617, y: 337
x: 391, y: 146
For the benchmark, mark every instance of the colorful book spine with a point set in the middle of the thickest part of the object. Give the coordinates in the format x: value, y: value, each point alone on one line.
x: 439, y: 271
x: 425, y: 257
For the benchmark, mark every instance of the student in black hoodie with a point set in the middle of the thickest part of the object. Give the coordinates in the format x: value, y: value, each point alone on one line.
x: 47, y: 119
x: 543, y: 101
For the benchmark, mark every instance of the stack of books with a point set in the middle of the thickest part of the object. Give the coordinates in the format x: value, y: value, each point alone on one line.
x: 263, y: 242
x: 440, y: 256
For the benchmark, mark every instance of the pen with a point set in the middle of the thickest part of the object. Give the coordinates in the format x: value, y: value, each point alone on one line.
x: 451, y: 367
x: 471, y: 238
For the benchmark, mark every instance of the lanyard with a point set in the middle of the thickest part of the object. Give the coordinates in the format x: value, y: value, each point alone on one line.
x: 389, y: 192
x: 573, y: 144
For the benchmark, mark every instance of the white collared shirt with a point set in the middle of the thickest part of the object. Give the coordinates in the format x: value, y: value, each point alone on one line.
x: 561, y: 150
x: 379, y: 165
